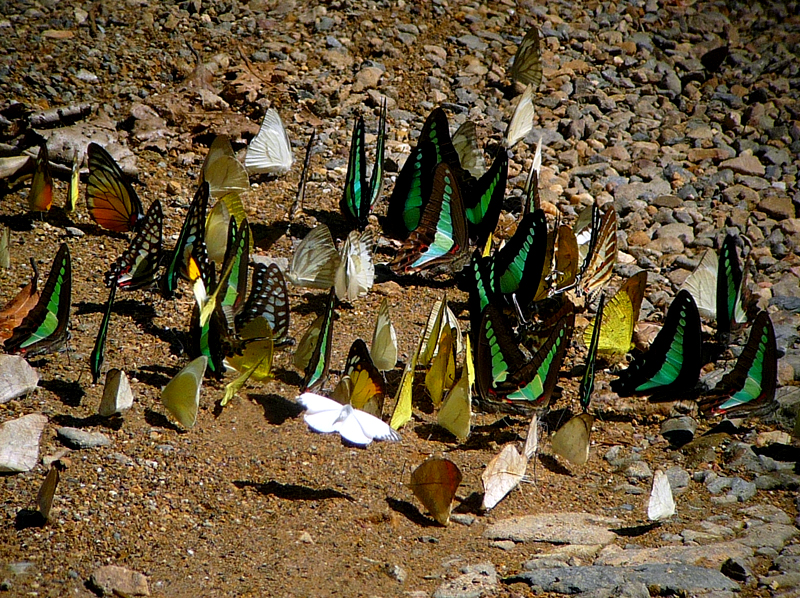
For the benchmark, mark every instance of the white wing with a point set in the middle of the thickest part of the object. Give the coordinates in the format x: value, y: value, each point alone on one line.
x: 326, y: 415
x: 522, y: 122
x: 315, y: 260
x: 661, y: 505
x: 384, y: 340
x: 374, y: 428
x: 532, y: 442
x: 270, y: 151
x: 351, y: 429
x: 182, y: 395
x: 465, y: 140
x: 356, y: 272
x: 322, y: 414
x: 702, y: 284
x: 502, y: 475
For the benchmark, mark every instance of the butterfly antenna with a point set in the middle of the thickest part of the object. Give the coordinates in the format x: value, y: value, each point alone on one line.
x: 299, y: 202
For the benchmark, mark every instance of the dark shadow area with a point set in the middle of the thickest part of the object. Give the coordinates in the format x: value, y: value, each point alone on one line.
x: 551, y: 464
x: 292, y: 491
x: 111, y: 423
x: 27, y: 518
x: 70, y: 393
x: 161, y: 421
x: 779, y: 452
x: 471, y: 504
x: 277, y: 409
x: 339, y: 227
x: 290, y: 377
x: 313, y: 303
x: 155, y: 375
x: 635, y: 531
x: 265, y: 235
x: 410, y: 512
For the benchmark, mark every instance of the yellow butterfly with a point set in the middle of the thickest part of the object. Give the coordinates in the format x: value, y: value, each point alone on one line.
x: 181, y: 396
x: 619, y: 317
x: 455, y: 414
x: 442, y: 373
x: 384, y: 339
x: 571, y: 440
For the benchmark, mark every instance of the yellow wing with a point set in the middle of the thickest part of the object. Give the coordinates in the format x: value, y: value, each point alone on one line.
x: 619, y: 317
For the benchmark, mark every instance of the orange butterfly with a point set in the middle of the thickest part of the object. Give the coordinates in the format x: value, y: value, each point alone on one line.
x: 112, y: 202
x: 41, y: 195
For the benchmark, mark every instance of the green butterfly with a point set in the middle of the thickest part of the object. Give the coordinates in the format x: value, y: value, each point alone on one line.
x: 192, y: 233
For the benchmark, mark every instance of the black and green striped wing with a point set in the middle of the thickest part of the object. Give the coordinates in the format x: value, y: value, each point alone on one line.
x: 316, y: 372
x: 415, y: 182
x: 729, y: 283
x: 497, y: 354
x: 376, y: 182
x: 587, y: 382
x: 98, y: 355
x: 481, y: 291
x: 138, y: 266
x: 192, y: 233
x: 518, y: 265
x: 234, y: 268
x: 46, y: 327
x: 672, y: 365
x: 484, y: 201
x: 750, y: 387
x: 268, y: 298
x: 441, y: 237
x: 356, y: 200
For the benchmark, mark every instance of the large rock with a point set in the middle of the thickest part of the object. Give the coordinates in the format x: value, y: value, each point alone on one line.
x: 19, y: 442
x: 555, y: 528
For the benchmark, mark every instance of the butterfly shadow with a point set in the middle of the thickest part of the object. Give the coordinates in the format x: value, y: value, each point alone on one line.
x: 551, y: 464
x: 634, y: 531
x: 290, y: 377
x: 410, y: 512
x: 277, y: 409
x: 111, y: 423
x: 159, y: 420
x: 337, y: 223
x: 266, y: 235
x: 28, y: 518
x: 292, y: 491
x: 314, y: 303
x: 70, y: 393
x: 155, y: 375
x: 471, y: 504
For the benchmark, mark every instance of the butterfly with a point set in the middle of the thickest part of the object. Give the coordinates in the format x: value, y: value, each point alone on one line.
x: 587, y: 382
x: 315, y: 261
x: 325, y: 415
x: 750, y: 386
x: 502, y: 474
x: 356, y: 273
x: 729, y: 287
x: 505, y: 379
x: 138, y: 266
x: 97, y: 356
x: 465, y: 142
x: 527, y: 67
x: 532, y: 200
x: 45, y: 328
x: 270, y: 152
x: 440, y: 318
x: 5, y: 254
x: 571, y: 440
x: 72, y: 191
x: 192, y: 233
x: 181, y: 396
x: 661, y: 504
x: 110, y: 199
x: 40, y: 198
x: 440, y: 240
x: 117, y: 394
x: 361, y: 384
x: 360, y: 194
x: 672, y: 365
x: 415, y: 182
x: 234, y: 270
x: 403, y: 398
x: 522, y: 120
x: 442, y: 372
x: 455, y: 412
x: 44, y: 499
x: 619, y: 318
x: 253, y: 357
x: 484, y: 200
x: 216, y: 234
x: 222, y: 171
x: 434, y: 482
x: 269, y: 298
x: 384, y: 339
x: 14, y: 312
x: 316, y: 368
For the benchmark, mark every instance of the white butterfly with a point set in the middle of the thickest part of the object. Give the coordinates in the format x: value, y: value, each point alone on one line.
x: 325, y: 415
x: 270, y: 151
x: 384, y: 340
x: 702, y: 284
x: 522, y: 122
x: 315, y: 260
x: 182, y: 395
x: 661, y: 505
x: 502, y: 474
x: 356, y: 272
x: 465, y: 140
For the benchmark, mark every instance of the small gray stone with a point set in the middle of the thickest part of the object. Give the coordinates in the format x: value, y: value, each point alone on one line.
x: 682, y: 231
x: 746, y: 164
x: 473, y: 42
x: 771, y: 535
x: 475, y: 581
x: 396, y: 572
x: 80, y: 439
x: 742, y: 489
x: 638, y: 470
x: 717, y: 483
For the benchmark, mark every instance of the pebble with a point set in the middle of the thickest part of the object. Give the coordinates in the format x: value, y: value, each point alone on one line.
x: 475, y: 581
x: 80, y: 439
x: 17, y: 378
x: 19, y: 442
x: 114, y: 580
x: 557, y: 528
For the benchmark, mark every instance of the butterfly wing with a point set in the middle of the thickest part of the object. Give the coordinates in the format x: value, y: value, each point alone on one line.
x: 465, y: 142
x: 672, y: 365
x: 729, y: 284
x: 315, y: 260
x: 181, y: 396
x: 751, y: 385
x: 702, y: 284
x: 661, y: 504
x: 192, y: 234
x: 434, y: 483
x: 45, y: 328
x: 138, y: 265
x: 268, y: 298
x: 356, y: 272
x: 522, y: 120
x: 441, y: 237
x: 619, y: 317
x: 376, y: 182
x: 384, y: 339
x: 316, y: 371
x: 223, y: 172
x: 367, y: 387
x: 502, y: 474
x: 356, y: 201
x: 455, y: 413
x: 571, y: 440
x: 488, y: 193
x: 97, y: 356
x: 587, y: 382
x: 270, y: 152
x: 602, y: 253
x: 518, y: 265
x: 527, y: 67
x: 40, y: 198
x: 110, y: 199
